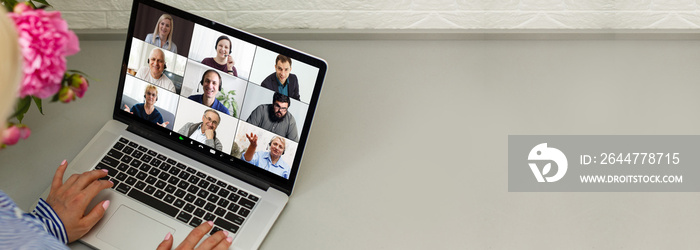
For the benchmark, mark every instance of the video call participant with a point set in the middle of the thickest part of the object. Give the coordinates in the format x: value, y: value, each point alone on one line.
x: 153, y: 72
x: 270, y: 161
x: 282, y: 81
x: 275, y: 118
x: 147, y: 110
x: 205, y: 131
x: 162, y: 35
x: 223, y: 60
x: 211, y: 84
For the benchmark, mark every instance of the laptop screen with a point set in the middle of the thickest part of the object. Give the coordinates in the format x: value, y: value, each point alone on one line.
x: 223, y: 93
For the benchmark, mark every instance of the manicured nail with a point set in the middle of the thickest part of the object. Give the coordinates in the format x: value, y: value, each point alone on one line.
x: 225, y: 232
x: 63, y: 162
x: 105, y: 170
x: 167, y: 236
x: 229, y: 239
x: 211, y: 223
x: 105, y: 204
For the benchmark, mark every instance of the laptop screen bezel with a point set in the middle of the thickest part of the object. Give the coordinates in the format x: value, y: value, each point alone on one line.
x: 231, y: 166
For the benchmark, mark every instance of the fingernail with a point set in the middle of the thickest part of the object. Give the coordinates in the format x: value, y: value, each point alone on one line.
x: 225, y: 232
x: 105, y: 170
x: 167, y: 236
x: 229, y: 239
x: 105, y: 204
x: 211, y: 223
x: 63, y: 162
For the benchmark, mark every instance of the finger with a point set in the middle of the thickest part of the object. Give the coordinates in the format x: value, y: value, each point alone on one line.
x: 224, y: 244
x: 95, y: 187
x: 213, y: 240
x: 196, y: 235
x: 96, y: 213
x: 167, y: 243
x: 58, y: 177
x: 89, y: 177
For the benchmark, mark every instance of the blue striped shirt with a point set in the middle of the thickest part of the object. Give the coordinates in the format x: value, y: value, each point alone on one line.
x: 42, y: 229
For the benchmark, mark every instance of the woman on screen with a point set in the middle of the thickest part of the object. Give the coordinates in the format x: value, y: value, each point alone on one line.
x: 147, y: 110
x: 223, y: 60
x: 162, y: 35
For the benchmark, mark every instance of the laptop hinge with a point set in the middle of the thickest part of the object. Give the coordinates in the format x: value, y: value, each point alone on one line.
x: 153, y: 135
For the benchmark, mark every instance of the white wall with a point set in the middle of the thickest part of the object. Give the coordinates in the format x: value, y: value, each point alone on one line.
x: 407, y: 14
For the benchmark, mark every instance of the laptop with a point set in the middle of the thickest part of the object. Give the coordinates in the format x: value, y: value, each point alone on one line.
x: 203, y: 130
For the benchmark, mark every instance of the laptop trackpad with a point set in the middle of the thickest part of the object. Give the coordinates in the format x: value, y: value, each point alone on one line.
x: 129, y: 229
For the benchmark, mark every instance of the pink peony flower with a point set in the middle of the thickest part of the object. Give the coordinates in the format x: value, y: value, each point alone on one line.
x: 45, y: 41
x: 11, y: 135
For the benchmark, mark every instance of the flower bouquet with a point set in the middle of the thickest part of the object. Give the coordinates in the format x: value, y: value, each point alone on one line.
x: 44, y: 43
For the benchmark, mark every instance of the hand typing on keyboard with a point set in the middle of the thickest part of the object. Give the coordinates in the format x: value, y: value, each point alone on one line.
x: 219, y: 240
x: 70, y: 200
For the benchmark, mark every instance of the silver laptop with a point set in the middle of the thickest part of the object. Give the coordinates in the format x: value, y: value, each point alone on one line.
x: 193, y: 99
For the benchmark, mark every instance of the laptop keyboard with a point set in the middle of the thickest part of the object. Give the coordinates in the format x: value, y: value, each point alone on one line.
x: 175, y: 189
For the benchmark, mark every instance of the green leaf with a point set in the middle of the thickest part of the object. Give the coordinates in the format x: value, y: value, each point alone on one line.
x: 9, y: 4
x: 44, y: 2
x: 38, y: 104
x: 22, y: 108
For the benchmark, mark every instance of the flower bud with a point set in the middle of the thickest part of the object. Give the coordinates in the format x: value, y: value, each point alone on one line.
x: 24, y: 132
x: 11, y: 135
x: 66, y: 94
x: 82, y: 87
x: 21, y: 7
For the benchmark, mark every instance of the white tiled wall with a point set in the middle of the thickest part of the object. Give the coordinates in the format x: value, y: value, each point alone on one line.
x: 407, y: 14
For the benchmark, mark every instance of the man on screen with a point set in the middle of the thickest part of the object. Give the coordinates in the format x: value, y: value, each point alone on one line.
x: 211, y: 85
x: 275, y: 117
x: 282, y: 81
x: 153, y: 73
x: 270, y: 161
x: 205, y: 131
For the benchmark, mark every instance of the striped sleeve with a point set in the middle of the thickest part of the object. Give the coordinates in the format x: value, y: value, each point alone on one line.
x: 52, y: 224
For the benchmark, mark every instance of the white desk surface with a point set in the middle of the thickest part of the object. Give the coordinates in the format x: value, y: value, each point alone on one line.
x: 409, y: 144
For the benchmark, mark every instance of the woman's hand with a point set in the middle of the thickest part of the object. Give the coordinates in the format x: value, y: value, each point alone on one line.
x: 70, y: 200
x: 219, y: 240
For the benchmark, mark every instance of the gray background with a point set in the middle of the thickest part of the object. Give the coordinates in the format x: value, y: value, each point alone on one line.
x: 409, y: 145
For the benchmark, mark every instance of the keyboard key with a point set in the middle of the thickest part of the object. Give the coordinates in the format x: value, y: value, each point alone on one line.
x: 174, y: 171
x: 137, y: 154
x: 247, y: 203
x: 223, y: 193
x: 148, y: 200
x: 223, y: 202
x: 213, y: 198
x: 184, y: 217
x: 154, y: 172
x: 253, y: 198
x: 110, y: 171
x: 193, y: 189
x: 123, y: 188
x: 195, y: 222
x: 151, y: 180
x: 244, y: 212
x: 225, y: 225
x: 234, y: 218
x: 132, y: 171
x: 146, y: 158
x: 233, y: 207
x: 135, y: 163
x: 183, y: 185
x: 209, y: 217
x: 128, y: 150
x: 164, y: 176
x: 173, y: 180
x: 180, y: 193
x: 170, y: 189
x: 161, y: 184
x: 220, y: 211
x: 118, y: 146
x: 123, y: 140
x: 203, y: 194
x: 243, y: 193
x: 201, y: 175
x: 221, y: 184
x: 141, y: 176
x: 184, y: 175
x: 189, y: 207
x: 140, y: 185
x: 162, y: 157
x: 199, y: 212
x: 203, y: 184
x: 142, y: 149
x: 234, y: 197
x: 165, y: 167
x: 179, y: 203
x: 109, y: 161
x: 179, y: 165
x: 200, y: 203
x: 159, y: 194
x: 193, y: 179
x: 169, y: 199
x: 190, y: 197
x: 211, y: 179
x: 145, y: 167
x: 152, y: 153
x: 213, y: 188
x: 121, y: 176
x: 149, y: 189
x: 133, y: 144
x: 156, y: 162
x: 115, y: 154
x: 126, y: 159
x: 122, y: 167
x: 191, y: 170
x: 231, y: 188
